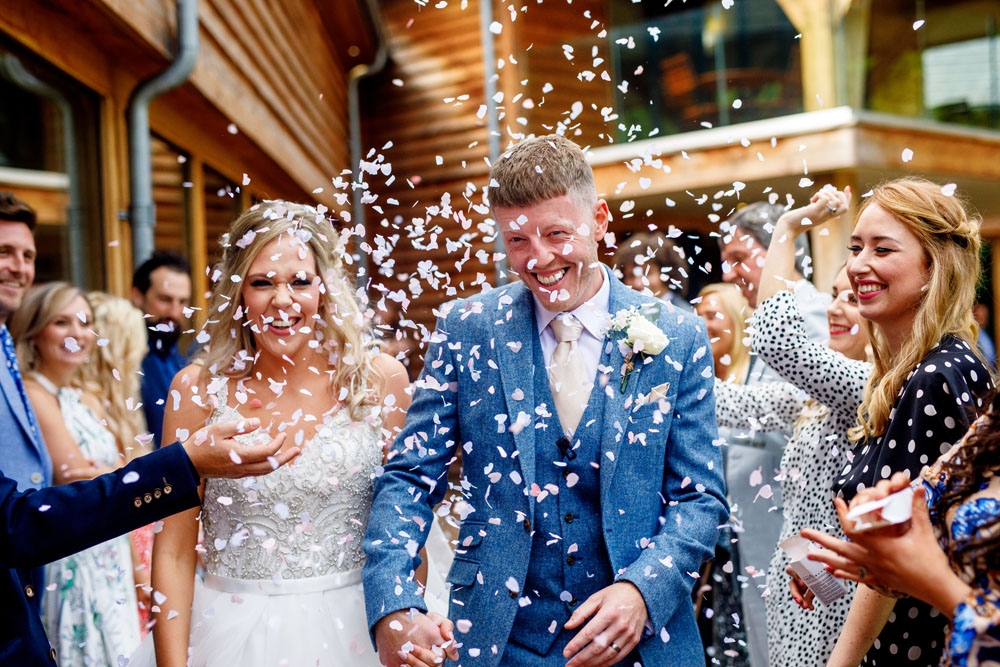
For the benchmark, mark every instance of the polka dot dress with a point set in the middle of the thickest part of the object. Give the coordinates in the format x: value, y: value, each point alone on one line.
x: 935, y: 407
x: 815, y: 455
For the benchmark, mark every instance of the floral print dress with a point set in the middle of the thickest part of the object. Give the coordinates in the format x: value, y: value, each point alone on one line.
x: 89, y: 604
x: 973, y: 638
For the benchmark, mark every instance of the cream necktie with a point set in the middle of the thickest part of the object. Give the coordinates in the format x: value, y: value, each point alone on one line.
x: 567, y: 373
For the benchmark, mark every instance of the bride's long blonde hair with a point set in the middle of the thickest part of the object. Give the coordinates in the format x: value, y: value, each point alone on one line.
x: 340, y: 329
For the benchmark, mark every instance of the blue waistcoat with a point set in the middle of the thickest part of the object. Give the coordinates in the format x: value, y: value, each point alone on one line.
x: 569, y: 561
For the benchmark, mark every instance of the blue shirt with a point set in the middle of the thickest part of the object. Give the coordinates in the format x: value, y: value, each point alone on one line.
x: 158, y: 370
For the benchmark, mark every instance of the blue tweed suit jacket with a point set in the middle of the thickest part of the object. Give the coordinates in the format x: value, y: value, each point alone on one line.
x: 661, y: 484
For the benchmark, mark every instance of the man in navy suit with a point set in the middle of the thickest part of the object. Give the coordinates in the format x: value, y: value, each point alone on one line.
x: 585, y: 415
x: 40, y: 526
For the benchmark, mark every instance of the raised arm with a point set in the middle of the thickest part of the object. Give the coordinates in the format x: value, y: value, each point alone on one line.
x: 767, y: 406
x: 781, y: 340
x: 779, y: 266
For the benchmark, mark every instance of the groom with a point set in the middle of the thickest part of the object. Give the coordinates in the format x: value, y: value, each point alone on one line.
x: 587, y: 446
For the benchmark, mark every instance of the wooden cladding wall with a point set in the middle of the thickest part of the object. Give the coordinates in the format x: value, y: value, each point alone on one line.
x: 558, y: 71
x: 169, y: 197
x: 223, y: 204
x: 271, y: 68
x: 425, y: 104
x: 429, y: 104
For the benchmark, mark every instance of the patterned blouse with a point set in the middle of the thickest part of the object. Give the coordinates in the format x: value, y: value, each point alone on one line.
x: 814, y: 456
x: 974, y: 634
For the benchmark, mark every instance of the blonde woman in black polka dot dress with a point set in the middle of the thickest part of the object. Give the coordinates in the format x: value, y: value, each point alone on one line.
x: 914, y: 264
x: 817, y: 403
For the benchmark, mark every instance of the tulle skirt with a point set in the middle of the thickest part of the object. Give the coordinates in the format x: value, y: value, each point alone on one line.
x: 316, y: 622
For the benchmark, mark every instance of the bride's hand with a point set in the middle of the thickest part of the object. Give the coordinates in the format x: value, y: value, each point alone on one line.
x: 428, y: 638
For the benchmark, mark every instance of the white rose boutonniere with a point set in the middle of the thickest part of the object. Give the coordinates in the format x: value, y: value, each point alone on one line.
x: 640, y: 338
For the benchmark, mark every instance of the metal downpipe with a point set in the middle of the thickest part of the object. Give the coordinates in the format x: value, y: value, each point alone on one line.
x: 141, y: 210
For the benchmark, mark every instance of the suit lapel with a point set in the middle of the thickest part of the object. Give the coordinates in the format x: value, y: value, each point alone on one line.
x: 13, y: 396
x: 615, y: 414
x: 516, y: 340
x: 612, y: 396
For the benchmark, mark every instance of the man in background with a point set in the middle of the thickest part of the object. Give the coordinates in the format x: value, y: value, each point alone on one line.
x: 23, y: 452
x: 161, y: 287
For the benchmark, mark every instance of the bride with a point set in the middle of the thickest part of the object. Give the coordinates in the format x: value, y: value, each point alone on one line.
x: 286, y: 342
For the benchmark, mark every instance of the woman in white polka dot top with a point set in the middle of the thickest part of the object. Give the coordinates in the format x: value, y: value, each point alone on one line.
x: 817, y: 403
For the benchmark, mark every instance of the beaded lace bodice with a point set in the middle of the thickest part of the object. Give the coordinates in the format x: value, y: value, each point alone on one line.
x: 306, y: 519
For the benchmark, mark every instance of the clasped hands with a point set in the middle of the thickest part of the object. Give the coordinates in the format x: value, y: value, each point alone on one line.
x: 617, y: 618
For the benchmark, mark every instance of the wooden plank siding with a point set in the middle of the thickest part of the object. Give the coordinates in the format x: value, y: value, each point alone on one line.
x: 169, y: 177
x: 435, y: 55
x: 538, y: 41
x: 268, y: 98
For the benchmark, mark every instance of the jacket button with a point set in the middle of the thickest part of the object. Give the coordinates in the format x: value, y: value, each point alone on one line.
x: 527, y: 525
x: 29, y: 591
x: 573, y: 602
x: 52, y: 654
x: 137, y: 502
x: 571, y: 560
x: 569, y: 517
x: 513, y: 595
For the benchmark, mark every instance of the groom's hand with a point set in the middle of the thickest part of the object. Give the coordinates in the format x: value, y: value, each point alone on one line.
x: 412, y: 638
x: 617, y: 619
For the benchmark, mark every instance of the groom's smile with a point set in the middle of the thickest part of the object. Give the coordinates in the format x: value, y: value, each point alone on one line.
x: 552, y: 247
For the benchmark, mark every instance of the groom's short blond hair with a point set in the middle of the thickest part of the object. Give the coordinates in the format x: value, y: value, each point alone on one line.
x: 539, y: 169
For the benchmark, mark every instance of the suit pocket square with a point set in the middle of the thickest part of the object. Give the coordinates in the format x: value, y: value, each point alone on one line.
x: 655, y: 394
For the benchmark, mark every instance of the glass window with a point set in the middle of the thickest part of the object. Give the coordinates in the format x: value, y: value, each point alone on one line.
x: 695, y: 64
x: 49, y: 157
x: 936, y: 59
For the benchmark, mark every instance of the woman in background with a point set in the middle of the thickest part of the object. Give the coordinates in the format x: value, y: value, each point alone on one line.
x: 90, y: 603
x: 113, y: 374
x: 725, y: 311
x: 718, y: 597
x: 817, y: 402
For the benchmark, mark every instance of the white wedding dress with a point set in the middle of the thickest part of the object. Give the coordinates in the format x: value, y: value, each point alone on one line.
x: 283, y: 556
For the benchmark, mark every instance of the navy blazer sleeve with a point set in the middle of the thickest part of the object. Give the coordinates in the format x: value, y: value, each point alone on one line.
x: 40, y: 526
